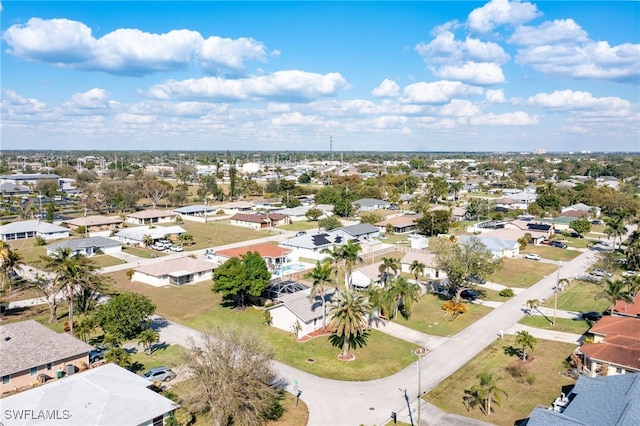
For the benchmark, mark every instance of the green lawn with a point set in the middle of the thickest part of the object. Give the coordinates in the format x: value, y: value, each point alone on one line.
x: 553, y: 253
x: 489, y: 295
x: 522, y: 397
x: 104, y: 260
x: 146, y: 253
x: 218, y: 233
x: 29, y: 251
x: 579, y: 296
x: 521, y: 272
x: 171, y: 356
x: 428, y: 317
x: 299, y: 226
x: 562, y: 324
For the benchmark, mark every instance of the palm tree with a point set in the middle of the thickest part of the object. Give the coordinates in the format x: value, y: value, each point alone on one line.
x: 71, y: 271
x: 388, y: 264
x: 348, y: 318
x: 147, y: 240
x: 417, y: 269
x: 615, y: 228
x: 148, y: 338
x: 633, y: 285
x: 488, y: 391
x: 351, y: 256
x: 455, y: 187
x: 10, y: 263
x: 321, y: 275
x: 377, y: 299
x: 526, y: 340
x: 405, y: 294
x: 614, y: 290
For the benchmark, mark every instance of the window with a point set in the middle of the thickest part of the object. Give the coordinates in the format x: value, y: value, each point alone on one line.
x: 158, y: 421
x: 33, y: 371
x: 49, y: 366
x: 6, y: 379
x: 619, y: 370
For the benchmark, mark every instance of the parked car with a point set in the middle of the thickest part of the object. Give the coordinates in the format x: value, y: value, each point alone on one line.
x: 600, y: 273
x: 176, y: 248
x: 532, y: 256
x: 558, y: 244
x: 546, y: 242
x: 597, y: 222
x: 162, y: 374
x: 629, y: 273
x: 97, y: 354
x: 467, y: 294
x: 591, y: 316
x: 301, y: 233
x: 158, y: 247
x: 165, y: 243
x: 577, y: 235
x: 476, y: 279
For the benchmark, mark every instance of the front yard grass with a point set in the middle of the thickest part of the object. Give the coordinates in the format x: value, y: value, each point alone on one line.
x: 553, y: 253
x: 579, y: 296
x: 565, y: 325
x: 304, y: 225
x: 104, y: 260
x: 146, y: 253
x: 544, y: 371
x: 521, y: 272
x: 218, y: 233
x: 171, y: 356
x: 489, y: 294
x: 428, y: 317
x: 30, y: 251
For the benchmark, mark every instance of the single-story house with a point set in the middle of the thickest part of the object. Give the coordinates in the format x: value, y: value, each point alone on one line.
x: 10, y: 189
x: 135, y: 235
x: 272, y: 254
x: 610, y: 400
x: 32, y: 352
x: 312, y: 245
x: 517, y: 229
x: 32, y: 228
x: 196, y: 210
x: 615, y: 348
x: 628, y: 309
x: 95, y: 223
x: 499, y: 247
x: 87, y: 246
x: 236, y: 207
x: 427, y: 259
x: 361, y: 231
x: 297, y: 314
x: 181, y: 271
x: 297, y: 214
x: 105, y: 395
x: 260, y: 220
x: 327, y: 209
x: 151, y: 216
x: 400, y: 225
x: 559, y: 223
x: 366, y: 275
x: 368, y: 204
x: 586, y: 209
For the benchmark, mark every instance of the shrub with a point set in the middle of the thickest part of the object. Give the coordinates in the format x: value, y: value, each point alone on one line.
x: 507, y: 292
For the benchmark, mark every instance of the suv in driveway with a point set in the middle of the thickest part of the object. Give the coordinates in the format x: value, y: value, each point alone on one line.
x: 558, y: 244
x: 476, y: 279
x: 162, y: 374
x: 97, y: 354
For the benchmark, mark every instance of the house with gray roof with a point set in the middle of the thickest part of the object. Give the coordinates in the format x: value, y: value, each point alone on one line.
x: 135, y: 235
x: 32, y: 352
x: 361, y: 231
x: 196, y: 210
x: 31, y: 229
x: 150, y: 216
x: 603, y: 400
x: 364, y: 276
x: 95, y: 223
x: 368, y: 204
x: 9, y: 189
x: 297, y: 314
x: 497, y: 246
x: 87, y: 246
x: 105, y: 395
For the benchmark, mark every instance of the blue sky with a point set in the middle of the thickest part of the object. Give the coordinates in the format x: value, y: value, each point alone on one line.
x: 378, y: 76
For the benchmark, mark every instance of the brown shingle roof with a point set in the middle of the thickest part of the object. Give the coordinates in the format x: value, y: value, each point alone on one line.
x: 149, y: 214
x: 166, y: 267
x: 28, y: 344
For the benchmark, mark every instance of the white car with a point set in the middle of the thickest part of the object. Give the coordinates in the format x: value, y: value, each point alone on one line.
x: 176, y: 248
x: 532, y: 256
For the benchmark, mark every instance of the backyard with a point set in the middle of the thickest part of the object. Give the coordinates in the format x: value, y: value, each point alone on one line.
x: 218, y: 233
x: 521, y: 272
x: 527, y: 385
x: 580, y: 296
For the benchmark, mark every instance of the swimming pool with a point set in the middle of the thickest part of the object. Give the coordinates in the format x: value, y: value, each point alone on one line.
x: 294, y: 267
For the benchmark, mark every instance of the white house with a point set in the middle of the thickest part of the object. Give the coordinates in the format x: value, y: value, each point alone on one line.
x: 427, y: 259
x: 150, y: 216
x: 181, y: 271
x: 499, y: 247
x: 134, y: 236
x: 364, y: 276
x: 297, y: 314
x: 32, y: 228
x: 87, y: 246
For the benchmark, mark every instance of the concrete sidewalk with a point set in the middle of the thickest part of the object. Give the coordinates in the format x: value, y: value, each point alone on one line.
x: 541, y: 333
x: 410, y: 335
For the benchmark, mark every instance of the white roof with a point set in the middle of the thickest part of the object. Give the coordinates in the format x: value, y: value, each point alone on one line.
x: 106, y: 395
x: 156, y: 233
x: 31, y: 226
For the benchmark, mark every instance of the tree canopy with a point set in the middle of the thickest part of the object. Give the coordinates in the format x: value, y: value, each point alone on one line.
x: 239, y: 277
x: 125, y: 315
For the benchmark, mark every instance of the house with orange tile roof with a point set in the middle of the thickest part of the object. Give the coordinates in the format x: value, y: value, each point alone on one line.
x: 272, y: 254
x: 628, y: 309
x: 615, y: 348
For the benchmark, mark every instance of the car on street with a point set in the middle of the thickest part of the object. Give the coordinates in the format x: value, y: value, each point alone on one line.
x: 476, y: 279
x: 558, y: 244
x: 591, y: 316
x: 162, y: 374
x: 176, y: 248
x: 532, y: 256
x: 97, y: 354
x: 301, y: 233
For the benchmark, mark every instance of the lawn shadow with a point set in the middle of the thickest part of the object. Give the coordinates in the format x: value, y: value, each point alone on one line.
x: 512, y: 351
x: 136, y: 367
x: 159, y: 323
x: 354, y: 342
x: 159, y: 347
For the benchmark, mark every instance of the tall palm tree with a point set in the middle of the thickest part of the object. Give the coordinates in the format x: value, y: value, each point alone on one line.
x: 71, y: 271
x: 614, y: 290
x: 615, y: 227
x: 526, y: 340
x: 10, y: 262
x: 388, y: 264
x: 147, y: 240
x: 378, y: 300
x: 322, y: 275
x: 351, y: 256
x: 348, y: 317
x: 147, y: 339
x: 417, y: 269
x: 633, y: 251
x: 488, y: 391
x: 455, y: 187
x: 405, y: 295
x: 633, y: 285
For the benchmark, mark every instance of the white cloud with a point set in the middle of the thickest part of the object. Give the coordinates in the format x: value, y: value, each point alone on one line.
x: 278, y: 107
x: 481, y: 73
x: 517, y: 118
x: 501, y: 12
x: 297, y: 119
x: 92, y: 99
x: 559, y: 31
x: 495, y: 96
x: 388, y: 88
x: 460, y: 108
x: 13, y: 103
x: 290, y: 85
x: 577, y: 100
x: 126, y: 117
x: 438, y: 92
x: 67, y: 43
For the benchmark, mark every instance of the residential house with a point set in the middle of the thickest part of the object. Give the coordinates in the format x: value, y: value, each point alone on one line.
x: 95, y: 223
x: 177, y: 272
x: 32, y: 228
x: 361, y: 231
x: 87, y: 246
x: 364, y: 276
x: 399, y: 225
x: 260, y: 220
x: 588, y: 211
x: 615, y: 348
x: 312, y: 245
x: 296, y: 214
x: 517, y: 229
x: 611, y: 401
x: 274, y: 255
x: 196, y: 210
x: 105, y: 395
x: 497, y: 246
x: 152, y: 216
x: 10, y: 189
x: 327, y: 209
x: 135, y: 235
x: 628, y: 309
x: 236, y: 207
x: 297, y: 314
x: 559, y: 223
x: 431, y: 271
x: 368, y: 204
x: 32, y: 352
